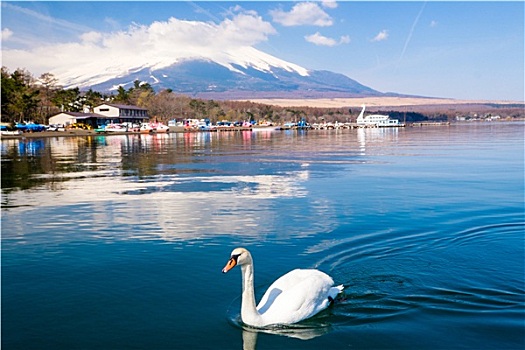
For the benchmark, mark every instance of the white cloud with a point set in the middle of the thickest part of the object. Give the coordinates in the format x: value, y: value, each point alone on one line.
x: 433, y: 24
x: 329, y: 4
x: 345, y: 39
x: 159, y: 44
x: 245, y: 29
x: 6, y: 34
x: 319, y: 39
x: 322, y: 40
x: 304, y: 13
x: 381, y: 36
x: 91, y: 37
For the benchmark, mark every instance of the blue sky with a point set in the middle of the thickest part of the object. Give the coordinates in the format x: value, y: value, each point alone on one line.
x: 463, y: 50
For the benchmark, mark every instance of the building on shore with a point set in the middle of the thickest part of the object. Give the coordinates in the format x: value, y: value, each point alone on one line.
x: 122, y: 113
x: 106, y: 113
x: 70, y: 118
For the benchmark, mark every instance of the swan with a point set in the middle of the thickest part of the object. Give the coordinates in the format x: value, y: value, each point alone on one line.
x: 295, y: 296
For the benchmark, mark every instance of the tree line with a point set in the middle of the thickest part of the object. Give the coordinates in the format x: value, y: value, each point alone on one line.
x: 26, y: 98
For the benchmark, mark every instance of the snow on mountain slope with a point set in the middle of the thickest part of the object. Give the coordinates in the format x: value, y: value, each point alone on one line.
x: 206, y: 78
x: 186, y: 56
x: 162, y: 59
x: 109, y: 68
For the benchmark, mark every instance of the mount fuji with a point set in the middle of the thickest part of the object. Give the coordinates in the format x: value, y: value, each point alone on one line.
x: 243, y: 72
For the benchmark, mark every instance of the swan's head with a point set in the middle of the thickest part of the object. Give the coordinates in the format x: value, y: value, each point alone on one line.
x: 239, y: 256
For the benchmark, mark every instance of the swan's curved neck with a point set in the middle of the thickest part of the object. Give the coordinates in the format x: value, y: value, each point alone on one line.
x: 249, y: 314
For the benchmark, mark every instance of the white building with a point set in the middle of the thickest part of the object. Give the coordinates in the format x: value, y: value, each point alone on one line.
x: 70, y: 118
x: 122, y: 113
x: 104, y: 114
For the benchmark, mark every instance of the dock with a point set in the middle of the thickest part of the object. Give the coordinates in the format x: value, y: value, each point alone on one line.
x: 430, y: 124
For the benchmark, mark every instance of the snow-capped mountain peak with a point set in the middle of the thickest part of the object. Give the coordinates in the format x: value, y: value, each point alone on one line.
x: 107, y: 68
x: 184, y: 56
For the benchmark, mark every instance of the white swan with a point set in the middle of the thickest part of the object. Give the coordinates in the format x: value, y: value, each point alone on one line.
x: 295, y: 296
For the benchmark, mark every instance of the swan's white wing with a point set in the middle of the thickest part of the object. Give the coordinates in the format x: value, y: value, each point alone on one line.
x: 296, y: 296
x: 283, y: 283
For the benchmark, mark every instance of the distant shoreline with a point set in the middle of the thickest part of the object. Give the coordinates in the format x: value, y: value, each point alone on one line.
x: 341, y: 102
x: 80, y: 132
x: 350, y: 102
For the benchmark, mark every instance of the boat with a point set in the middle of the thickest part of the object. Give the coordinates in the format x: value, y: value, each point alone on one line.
x: 11, y: 132
x: 30, y: 127
x: 160, y: 127
x: 115, y: 128
x: 303, y: 124
x: 146, y: 128
x: 56, y: 127
x: 204, y: 125
x: 265, y: 128
x: 288, y: 126
x: 376, y: 120
x: 131, y: 127
x: 118, y: 127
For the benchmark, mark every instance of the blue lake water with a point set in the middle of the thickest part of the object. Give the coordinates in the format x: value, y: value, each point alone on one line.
x: 118, y: 242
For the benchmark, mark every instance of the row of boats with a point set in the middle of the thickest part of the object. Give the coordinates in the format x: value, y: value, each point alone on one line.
x: 205, y: 125
x: 373, y: 120
x: 158, y: 127
x: 143, y: 128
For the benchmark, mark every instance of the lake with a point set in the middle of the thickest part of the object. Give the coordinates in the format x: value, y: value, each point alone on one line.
x: 117, y: 242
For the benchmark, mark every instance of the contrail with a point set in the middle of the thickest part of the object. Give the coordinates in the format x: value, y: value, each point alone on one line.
x: 51, y: 21
x: 411, y: 32
x: 202, y: 10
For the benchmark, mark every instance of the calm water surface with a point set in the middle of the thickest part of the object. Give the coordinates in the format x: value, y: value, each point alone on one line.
x: 118, y: 242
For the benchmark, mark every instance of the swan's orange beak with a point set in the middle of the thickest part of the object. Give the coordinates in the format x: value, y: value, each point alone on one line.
x: 229, y: 265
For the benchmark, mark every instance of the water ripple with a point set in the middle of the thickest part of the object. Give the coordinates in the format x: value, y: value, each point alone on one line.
x: 485, y: 233
x: 394, y: 275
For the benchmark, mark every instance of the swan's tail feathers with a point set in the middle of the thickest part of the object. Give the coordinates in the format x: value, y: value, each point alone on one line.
x: 334, y: 292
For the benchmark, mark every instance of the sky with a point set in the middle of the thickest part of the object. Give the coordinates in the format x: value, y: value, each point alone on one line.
x: 463, y: 50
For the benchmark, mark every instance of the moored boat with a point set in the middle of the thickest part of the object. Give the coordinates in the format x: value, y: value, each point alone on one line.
x: 160, y: 127
x: 11, y: 132
x: 376, y: 120
x: 115, y: 128
x: 131, y: 127
x: 146, y: 128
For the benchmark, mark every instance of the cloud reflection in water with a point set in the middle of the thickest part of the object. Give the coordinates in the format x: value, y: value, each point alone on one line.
x: 173, y: 207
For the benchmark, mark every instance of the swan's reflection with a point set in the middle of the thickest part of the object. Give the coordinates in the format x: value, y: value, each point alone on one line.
x: 249, y: 340
x: 249, y: 334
